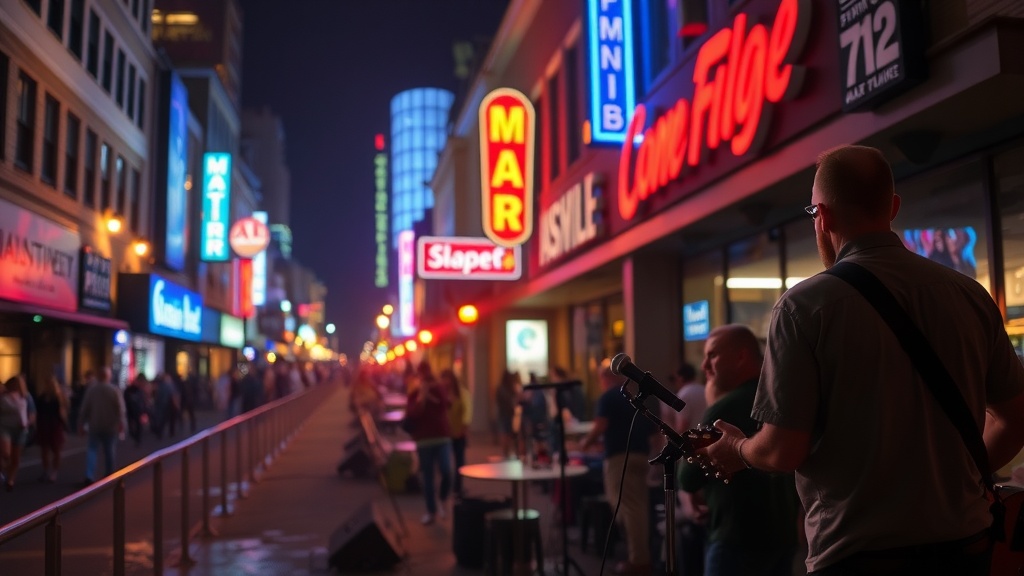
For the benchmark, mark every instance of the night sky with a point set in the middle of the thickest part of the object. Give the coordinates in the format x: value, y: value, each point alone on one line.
x: 329, y: 68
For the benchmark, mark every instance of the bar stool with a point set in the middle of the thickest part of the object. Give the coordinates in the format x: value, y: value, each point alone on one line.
x: 501, y: 538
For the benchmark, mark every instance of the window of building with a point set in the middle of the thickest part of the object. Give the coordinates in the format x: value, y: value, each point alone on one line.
x: 538, y: 165
x: 119, y: 91
x: 35, y: 5
x: 24, y: 145
x: 136, y: 5
x: 105, y: 160
x: 74, y: 126
x: 136, y: 201
x: 145, y: 16
x: 753, y: 283
x: 130, y: 97
x: 4, y: 64
x: 1008, y: 172
x: 55, y: 18
x: 703, y: 301
x: 51, y: 126
x: 692, y: 23
x: 574, y: 122
x: 554, y: 129
x: 75, y: 25
x: 141, y: 118
x: 108, y: 61
x: 92, y: 54
x: 656, y: 27
x: 89, y: 170
x: 121, y: 200
x: 943, y: 218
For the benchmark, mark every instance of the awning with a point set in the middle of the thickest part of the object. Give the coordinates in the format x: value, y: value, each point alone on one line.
x: 67, y: 316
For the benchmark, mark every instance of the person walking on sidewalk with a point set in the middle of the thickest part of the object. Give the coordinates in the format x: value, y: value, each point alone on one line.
x: 460, y: 414
x: 51, y: 422
x: 14, y: 422
x: 426, y: 415
x: 103, y: 417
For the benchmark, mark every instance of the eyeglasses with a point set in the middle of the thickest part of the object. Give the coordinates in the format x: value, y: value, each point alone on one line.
x: 812, y: 210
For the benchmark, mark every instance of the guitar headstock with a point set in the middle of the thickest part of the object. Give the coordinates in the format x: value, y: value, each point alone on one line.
x: 701, y: 437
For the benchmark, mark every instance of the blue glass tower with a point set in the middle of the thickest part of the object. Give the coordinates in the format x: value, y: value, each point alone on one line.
x: 419, y: 120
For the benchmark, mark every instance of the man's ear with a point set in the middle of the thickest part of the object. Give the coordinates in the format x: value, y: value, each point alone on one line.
x: 826, y: 218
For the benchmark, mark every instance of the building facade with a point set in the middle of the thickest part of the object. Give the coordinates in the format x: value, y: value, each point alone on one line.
x: 675, y: 148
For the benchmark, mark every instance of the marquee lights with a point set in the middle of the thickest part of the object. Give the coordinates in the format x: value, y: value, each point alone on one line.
x: 506, y: 166
x: 736, y: 73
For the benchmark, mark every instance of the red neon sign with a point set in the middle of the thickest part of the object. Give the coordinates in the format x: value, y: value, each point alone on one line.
x: 736, y: 73
x: 466, y: 258
x: 506, y: 166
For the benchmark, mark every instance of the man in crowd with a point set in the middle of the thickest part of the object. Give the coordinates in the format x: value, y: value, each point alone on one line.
x: 103, y: 417
x: 612, y: 421
x: 752, y: 520
x: 885, y: 477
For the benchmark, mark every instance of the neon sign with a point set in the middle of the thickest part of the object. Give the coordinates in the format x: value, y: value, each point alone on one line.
x: 612, y: 93
x: 259, y: 269
x: 380, y: 207
x: 406, y: 277
x: 737, y: 72
x: 216, y: 206
x: 462, y: 258
x: 174, y: 311
x: 506, y: 166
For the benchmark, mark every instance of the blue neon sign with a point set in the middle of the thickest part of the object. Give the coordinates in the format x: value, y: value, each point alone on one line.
x: 696, y: 320
x: 176, y: 238
x: 174, y: 311
x: 612, y: 86
x: 216, y: 206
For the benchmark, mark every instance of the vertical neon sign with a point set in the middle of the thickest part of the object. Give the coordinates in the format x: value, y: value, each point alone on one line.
x: 380, y: 207
x: 259, y: 270
x: 612, y: 91
x: 506, y: 166
x: 216, y: 206
x: 406, y: 272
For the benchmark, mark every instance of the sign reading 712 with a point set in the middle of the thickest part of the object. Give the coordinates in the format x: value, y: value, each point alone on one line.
x: 872, y: 51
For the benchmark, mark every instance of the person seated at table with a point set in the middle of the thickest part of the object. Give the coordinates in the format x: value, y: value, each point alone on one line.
x: 426, y: 420
x: 365, y: 395
x: 612, y: 421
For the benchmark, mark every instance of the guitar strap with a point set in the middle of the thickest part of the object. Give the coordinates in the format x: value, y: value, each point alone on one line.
x: 931, y: 368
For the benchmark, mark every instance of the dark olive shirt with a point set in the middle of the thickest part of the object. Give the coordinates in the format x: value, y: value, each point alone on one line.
x: 755, y: 511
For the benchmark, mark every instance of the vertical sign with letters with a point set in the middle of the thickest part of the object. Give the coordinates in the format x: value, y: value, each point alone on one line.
x: 406, y: 277
x: 610, y: 73
x: 380, y: 213
x: 216, y: 207
x: 507, y: 136
x: 94, y: 291
x: 259, y: 269
x: 881, y: 49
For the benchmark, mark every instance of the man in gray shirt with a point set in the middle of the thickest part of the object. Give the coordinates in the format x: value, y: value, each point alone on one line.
x: 885, y: 478
x: 103, y: 417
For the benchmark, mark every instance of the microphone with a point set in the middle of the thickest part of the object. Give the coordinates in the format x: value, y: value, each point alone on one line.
x: 622, y: 365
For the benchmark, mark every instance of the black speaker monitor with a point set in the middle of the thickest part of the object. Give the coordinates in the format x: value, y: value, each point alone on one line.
x: 366, y: 541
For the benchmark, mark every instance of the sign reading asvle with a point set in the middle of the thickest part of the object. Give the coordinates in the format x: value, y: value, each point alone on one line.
x: 466, y: 258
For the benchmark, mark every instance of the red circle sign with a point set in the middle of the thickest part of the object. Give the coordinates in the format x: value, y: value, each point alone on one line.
x: 248, y: 237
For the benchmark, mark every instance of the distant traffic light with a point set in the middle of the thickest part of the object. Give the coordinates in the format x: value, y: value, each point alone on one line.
x: 468, y: 314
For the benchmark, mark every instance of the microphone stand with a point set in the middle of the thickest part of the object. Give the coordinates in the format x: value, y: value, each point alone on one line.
x: 675, y: 448
x: 560, y: 387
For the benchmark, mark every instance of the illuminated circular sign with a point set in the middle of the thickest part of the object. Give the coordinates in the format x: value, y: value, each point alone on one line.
x: 248, y: 237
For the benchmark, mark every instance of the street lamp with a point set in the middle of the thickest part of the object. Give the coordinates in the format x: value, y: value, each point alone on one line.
x: 388, y: 309
x: 114, y: 222
x: 383, y: 321
x: 330, y: 328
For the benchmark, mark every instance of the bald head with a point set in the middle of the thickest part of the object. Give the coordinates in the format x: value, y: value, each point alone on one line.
x: 857, y: 181
x: 740, y: 338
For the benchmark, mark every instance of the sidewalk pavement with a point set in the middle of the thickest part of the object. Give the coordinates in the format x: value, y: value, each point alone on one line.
x: 284, y: 524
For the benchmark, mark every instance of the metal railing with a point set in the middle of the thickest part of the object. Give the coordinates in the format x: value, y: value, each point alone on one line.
x: 263, y: 431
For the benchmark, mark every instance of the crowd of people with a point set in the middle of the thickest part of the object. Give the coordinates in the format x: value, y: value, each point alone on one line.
x: 97, y: 408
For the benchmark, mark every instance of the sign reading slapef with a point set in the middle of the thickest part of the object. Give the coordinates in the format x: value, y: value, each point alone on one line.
x: 738, y: 72
x: 506, y: 166
x: 881, y: 50
x: 610, y: 47
x: 466, y: 258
